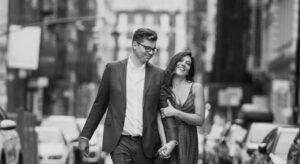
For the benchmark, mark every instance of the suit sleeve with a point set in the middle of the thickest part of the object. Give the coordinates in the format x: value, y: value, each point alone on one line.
x: 169, y: 123
x: 99, y: 107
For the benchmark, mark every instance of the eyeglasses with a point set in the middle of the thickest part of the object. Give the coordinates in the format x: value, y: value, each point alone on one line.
x: 148, y: 49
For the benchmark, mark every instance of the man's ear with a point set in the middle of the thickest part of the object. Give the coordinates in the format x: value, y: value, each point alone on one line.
x: 134, y: 44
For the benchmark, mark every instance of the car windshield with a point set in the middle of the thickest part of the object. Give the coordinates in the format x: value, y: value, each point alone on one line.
x: 50, y: 137
x: 258, y: 133
x: 284, y: 143
x: 70, y: 129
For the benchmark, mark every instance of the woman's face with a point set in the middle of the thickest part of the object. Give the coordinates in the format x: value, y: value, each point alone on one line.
x: 183, y: 66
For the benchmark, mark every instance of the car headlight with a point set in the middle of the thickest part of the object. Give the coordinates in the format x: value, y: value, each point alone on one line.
x: 55, y: 157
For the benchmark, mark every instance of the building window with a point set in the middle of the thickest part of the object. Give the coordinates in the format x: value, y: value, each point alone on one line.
x: 123, y: 20
x: 156, y: 19
x: 149, y: 19
x: 165, y: 22
x: 138, y: 19
x: 129, y: 35
x: 130, y: 19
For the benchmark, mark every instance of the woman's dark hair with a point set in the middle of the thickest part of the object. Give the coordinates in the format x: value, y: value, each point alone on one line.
x: 170, y: 70
x: 166, y: 88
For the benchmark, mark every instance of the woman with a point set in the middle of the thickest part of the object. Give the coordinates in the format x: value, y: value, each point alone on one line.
x: 183, y: 100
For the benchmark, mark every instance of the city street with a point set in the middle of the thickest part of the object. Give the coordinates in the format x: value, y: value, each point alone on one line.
x: 84, y: 74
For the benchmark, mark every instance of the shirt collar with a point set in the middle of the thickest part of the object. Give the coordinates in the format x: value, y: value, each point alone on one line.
x: 131, y: 64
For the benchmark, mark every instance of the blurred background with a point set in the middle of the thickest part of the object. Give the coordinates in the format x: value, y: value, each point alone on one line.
x: 53, y: 54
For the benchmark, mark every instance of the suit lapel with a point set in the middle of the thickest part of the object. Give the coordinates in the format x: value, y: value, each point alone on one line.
x: 147, y: 81
x: 123, y: 72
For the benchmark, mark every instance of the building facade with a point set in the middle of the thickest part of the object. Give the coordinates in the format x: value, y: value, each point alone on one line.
x: 20, y: 94
x: 273, y: 51
x: 3, y: 51
x: 165, y: 17
x: 102, y: 42
x: 201, y: 34
x: 229, y: 83
x: 67, y: 58
x: 105, y: 34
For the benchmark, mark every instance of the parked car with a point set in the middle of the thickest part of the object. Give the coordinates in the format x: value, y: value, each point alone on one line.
x: 294, y: 151
x: 96, y: 155
x: 10, y: 144
x: 53, y: 147
x: 256, y: 134
x: 68, y: 125
x: 275, y: 146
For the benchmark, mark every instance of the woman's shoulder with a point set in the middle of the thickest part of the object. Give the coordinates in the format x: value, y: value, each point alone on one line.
x: 196, y: 87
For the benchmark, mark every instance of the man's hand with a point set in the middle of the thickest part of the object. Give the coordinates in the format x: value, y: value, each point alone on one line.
x: 84, y: 146
x: 168, y: 111
x: 166, y: 150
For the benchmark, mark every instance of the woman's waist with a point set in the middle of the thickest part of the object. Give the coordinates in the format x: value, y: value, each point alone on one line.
x: 182, y: 123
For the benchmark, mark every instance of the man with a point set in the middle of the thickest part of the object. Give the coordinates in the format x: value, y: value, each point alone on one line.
x: 129, y: 92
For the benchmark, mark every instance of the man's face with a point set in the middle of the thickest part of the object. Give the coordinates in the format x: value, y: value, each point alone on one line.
x: 144, y: 50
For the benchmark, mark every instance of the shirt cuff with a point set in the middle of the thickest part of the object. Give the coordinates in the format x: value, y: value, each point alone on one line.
x: 83, y: 138
x: 176, y: 142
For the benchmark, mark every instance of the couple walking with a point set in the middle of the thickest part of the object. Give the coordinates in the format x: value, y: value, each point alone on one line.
x: 151, y: 114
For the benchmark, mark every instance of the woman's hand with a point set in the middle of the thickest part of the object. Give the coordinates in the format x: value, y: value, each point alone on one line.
x: 166, y: 150
x: 168, y: 111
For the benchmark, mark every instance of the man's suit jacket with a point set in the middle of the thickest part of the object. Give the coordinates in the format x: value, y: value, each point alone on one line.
x: 112, y: 97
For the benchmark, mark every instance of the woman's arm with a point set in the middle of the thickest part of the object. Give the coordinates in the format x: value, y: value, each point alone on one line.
x: 167, y: 148
x: 196, y: 118
x: 161, y: 130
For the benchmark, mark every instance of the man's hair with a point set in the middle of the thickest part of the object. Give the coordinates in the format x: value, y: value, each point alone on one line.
x: 144, y: 33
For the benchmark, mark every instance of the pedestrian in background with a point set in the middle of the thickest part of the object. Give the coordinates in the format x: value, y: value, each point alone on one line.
x: 129, y: 92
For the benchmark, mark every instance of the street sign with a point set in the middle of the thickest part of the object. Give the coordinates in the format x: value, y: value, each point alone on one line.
x: 230, y: 96
x: 24, y: 48
x: 222, y: 98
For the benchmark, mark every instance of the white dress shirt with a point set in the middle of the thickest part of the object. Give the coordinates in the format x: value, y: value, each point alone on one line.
x: 135, y: 78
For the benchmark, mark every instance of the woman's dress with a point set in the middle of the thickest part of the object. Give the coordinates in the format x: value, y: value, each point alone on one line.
x: 186, y: 152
